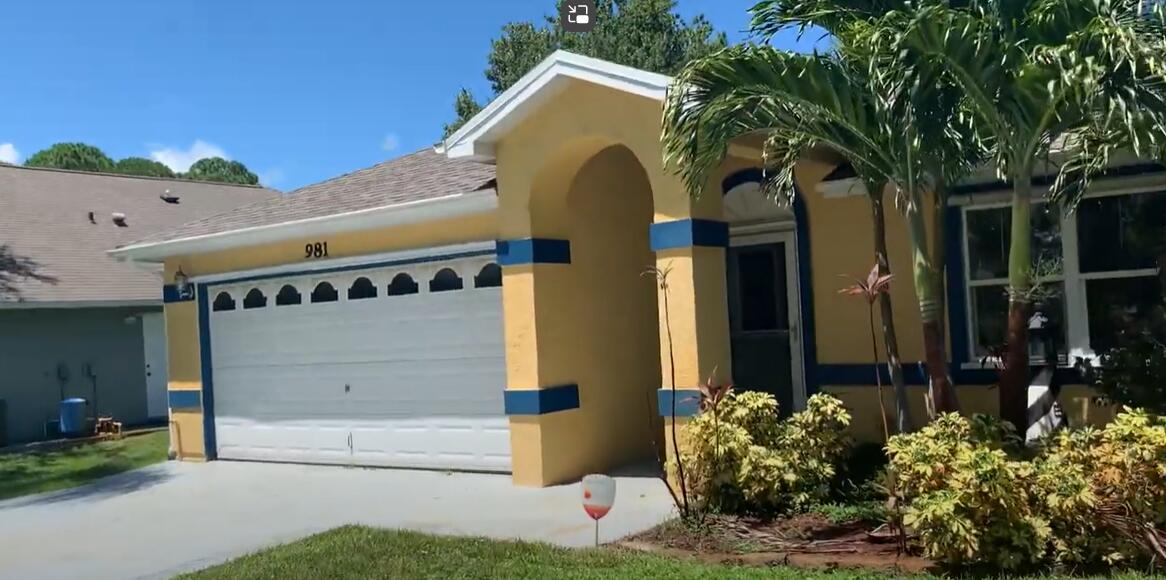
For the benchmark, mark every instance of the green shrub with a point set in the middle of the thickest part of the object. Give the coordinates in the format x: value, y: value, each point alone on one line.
x: 1104, y: 491
x: 1088, y: 497
x: 967, y: 500
x: 739, y: 458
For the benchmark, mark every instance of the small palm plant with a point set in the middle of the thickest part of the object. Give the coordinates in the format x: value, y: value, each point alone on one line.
x: 875, y: 284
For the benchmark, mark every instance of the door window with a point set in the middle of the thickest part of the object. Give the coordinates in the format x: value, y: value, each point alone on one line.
x: 758, y: 275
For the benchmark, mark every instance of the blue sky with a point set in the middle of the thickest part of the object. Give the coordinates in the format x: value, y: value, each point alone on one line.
x: 299, y: 91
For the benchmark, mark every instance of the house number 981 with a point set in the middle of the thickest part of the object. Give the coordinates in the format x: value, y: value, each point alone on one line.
x: 316, y: 250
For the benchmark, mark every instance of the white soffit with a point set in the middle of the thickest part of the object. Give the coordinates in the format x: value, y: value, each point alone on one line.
x: 476, y: 139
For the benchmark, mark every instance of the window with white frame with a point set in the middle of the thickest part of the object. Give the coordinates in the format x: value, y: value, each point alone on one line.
x: 1098, y: 266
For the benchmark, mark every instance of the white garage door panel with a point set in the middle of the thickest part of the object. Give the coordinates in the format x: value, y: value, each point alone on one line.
x: 414, y: 380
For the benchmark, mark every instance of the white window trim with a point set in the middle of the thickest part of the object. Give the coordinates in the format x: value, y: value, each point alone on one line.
x: 1076, y: 305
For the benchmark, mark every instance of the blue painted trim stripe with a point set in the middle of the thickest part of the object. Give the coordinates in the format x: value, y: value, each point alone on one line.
x: 957, y: 295
x: 184, y: 400
x: 687, y: 233
x: 210, y: 446
x: 533, y: 251
x: 170, y: 294
x: 349, y: 268
x: 541, y: 401
x: 687, y: 402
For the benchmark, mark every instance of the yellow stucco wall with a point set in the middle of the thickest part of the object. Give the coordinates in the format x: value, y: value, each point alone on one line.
x: 472, y: 228
x: 185, y: 374
x: 1077, y: 401
x: 587, y: 167
x: 842, y: 249
x: 590, y: 323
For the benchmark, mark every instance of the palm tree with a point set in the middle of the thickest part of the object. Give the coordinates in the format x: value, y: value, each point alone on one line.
x: 1072, y: 80
x: 896, y: 125
x: 799, y: 103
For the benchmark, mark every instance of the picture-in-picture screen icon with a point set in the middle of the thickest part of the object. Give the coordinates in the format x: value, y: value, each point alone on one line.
x: 577, y: 15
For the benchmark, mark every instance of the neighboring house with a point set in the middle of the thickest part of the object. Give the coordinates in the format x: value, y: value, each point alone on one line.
x: 485, y: 306
x: 98, y: 332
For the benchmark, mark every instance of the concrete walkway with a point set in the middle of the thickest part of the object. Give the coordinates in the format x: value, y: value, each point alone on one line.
x: 177, y: 517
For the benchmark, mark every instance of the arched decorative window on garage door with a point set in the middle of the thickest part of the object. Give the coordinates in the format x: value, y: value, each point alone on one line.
x: 325, y: 292
x: 288, y: 295
x: 401, y: 285
x: 254, y: 299
x: 223, y: 302
x: 489, y: 277
x: 445, y: 280
x: 362, y: 288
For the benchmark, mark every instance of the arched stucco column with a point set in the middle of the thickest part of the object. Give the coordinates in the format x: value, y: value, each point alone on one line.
x: 689, y: 238
x: 581, y: 329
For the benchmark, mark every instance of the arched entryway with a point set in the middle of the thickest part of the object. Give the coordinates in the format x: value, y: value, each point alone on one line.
x: 599, y: 198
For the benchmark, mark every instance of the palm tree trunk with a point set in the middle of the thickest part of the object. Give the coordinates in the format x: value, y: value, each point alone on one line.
x: 903, y: 422
x: 942, y: 395
x: 1014, y: 380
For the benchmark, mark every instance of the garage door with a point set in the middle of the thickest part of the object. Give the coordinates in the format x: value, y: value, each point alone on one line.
x: 399, y: 366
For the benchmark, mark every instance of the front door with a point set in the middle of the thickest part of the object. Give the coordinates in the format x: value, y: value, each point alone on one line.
x: 759, y: 320
x: 154, y: 351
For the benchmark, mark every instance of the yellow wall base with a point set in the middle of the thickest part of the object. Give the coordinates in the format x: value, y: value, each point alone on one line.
x: 866, y: 425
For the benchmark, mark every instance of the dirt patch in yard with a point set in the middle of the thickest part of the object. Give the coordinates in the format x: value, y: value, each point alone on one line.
x: 807, y: 541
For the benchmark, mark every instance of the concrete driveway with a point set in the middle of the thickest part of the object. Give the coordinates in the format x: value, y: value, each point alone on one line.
x: 177, y: 517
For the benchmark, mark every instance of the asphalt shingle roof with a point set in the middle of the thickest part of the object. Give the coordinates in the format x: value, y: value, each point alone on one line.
x: 424, y: 174
x: 44, y: 215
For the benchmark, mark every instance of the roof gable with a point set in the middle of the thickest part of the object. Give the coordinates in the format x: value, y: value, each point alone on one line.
x: 476, y: 139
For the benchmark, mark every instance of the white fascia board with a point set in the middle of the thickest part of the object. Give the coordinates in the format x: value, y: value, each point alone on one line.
x: 838, y: 188
x: 380, y: 217
x: 301, y: 268
x: 475, y: 139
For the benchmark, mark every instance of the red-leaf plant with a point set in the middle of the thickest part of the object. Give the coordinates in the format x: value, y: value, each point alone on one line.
x: 870, y: 289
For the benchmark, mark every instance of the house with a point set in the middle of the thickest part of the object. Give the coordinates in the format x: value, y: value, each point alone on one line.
x: 486, y: 306
x: 97, y: 332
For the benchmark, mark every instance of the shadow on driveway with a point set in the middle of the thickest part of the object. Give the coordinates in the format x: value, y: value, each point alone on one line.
x: 114, y: 485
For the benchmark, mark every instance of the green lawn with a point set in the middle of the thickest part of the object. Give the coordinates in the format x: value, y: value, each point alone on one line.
x: 360, y: 552
x: 25, y: 473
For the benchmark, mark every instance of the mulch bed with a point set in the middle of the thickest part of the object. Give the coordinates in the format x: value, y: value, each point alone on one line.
x: 808, y: 541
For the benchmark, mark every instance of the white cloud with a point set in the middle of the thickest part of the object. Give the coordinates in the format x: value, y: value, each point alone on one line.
x: 9, y: 154
x: 271, y: 177
x: 391, y: 142
x: 181, y: 159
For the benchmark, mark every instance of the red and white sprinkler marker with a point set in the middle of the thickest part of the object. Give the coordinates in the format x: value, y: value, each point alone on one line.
x: 598, y: 497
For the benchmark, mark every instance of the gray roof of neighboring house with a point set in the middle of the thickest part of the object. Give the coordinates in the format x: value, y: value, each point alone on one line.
x: 44, y: 216
x: 420, y: 175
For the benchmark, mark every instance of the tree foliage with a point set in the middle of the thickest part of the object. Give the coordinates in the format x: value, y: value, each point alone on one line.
x: 893, y: 123
x: 221, y: 170
x: 142, y: 166
x: 74, y: 156
x: 84, y: 157
x: 15, y: 269
x: 1069, y: 80
x: 645, y: 34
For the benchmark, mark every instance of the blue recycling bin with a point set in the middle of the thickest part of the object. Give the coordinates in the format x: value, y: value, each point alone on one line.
x: 72, y: 414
